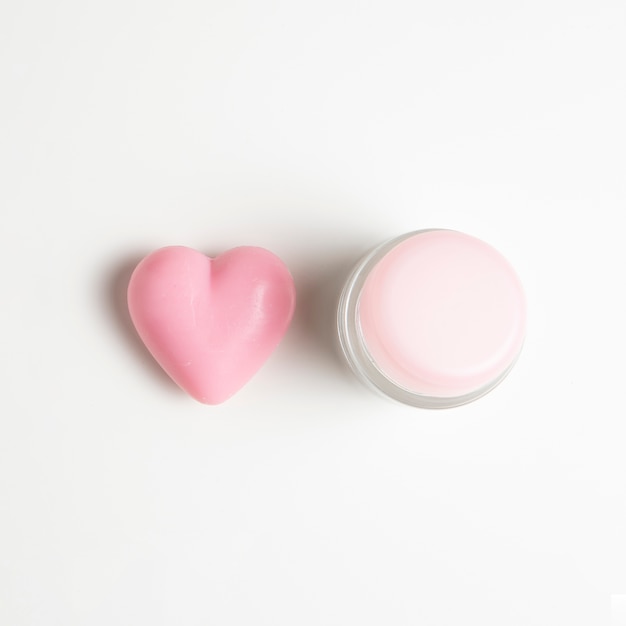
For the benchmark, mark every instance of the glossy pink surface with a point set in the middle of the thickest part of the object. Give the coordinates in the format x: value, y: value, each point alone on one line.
x: 211, y: 323
x: 443, y: 314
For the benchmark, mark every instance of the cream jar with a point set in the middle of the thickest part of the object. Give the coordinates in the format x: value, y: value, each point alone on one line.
x: 433, y: 318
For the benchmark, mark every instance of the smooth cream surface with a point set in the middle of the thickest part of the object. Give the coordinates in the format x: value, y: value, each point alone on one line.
x: 442, y: 314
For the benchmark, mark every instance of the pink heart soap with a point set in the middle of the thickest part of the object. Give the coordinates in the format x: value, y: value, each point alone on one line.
x: 211, y: 323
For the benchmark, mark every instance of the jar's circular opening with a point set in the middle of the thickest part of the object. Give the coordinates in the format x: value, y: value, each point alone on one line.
x: 364, y: 362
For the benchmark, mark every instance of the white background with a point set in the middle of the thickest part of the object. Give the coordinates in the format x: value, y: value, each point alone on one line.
x: 317, y: 130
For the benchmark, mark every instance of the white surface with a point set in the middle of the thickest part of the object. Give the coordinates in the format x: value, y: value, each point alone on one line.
x: 317, y: 130
x: 618, y: 610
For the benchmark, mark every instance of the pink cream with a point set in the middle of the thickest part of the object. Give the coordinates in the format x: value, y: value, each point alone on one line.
x: 439, y: 315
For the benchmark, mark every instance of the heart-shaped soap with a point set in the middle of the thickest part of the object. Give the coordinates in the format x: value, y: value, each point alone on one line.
x: 211, y: 322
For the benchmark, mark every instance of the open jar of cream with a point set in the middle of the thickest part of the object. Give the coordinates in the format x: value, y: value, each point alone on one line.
x: 433, y: 318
